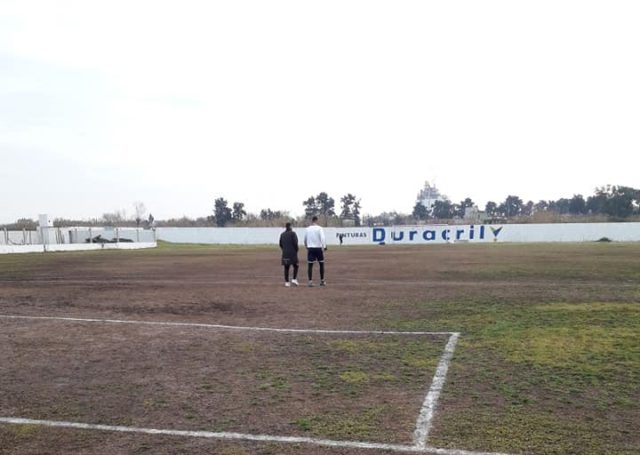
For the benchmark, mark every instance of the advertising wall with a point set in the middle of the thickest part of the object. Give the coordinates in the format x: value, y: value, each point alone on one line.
x: 10, y: 249
x: 423, y: 234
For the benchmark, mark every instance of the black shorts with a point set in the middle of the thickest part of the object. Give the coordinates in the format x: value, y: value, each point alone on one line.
x: 315, y: 254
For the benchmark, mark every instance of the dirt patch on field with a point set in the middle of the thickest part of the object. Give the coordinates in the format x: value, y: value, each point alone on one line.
x: 345, y: 387
x: 362, y: 387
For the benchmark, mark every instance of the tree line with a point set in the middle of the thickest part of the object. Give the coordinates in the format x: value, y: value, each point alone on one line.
x: 614, y: 202
x: 321, y: 205
x: 608, y: 203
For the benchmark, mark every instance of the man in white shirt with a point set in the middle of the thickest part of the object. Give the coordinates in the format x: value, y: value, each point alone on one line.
x: 316, y: 245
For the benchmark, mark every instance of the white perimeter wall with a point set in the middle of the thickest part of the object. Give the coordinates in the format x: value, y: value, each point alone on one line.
x: 75, y: 247
x: 574, y: 232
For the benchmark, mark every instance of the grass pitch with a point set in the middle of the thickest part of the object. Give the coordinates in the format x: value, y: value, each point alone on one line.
x: 548, y: 361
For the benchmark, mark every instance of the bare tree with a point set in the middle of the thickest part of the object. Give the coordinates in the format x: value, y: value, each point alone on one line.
x: 139, y: 210
x: 116, y: 218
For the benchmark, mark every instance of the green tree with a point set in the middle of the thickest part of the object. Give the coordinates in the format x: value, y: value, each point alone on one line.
x: 326, y: 205
x: 346, y: 207
x: 541, y: 206
x: 221, y: 212
x: 420, y: 212
x: 491, y: 209
x: 577, y: 205
x: 459, y: 209
x: 442, y: 209
x: 310, y: 207
x: 322, y: 204
x: 268, y: 214
x: 239, y: 212
x: 621, y: 201
x: 350, y: 208
x: 528, y: 209
x: 615, y: 201
x: 356, y: 212
x: 512, y: 206
x: 560, y: 206
x: 596, y: 203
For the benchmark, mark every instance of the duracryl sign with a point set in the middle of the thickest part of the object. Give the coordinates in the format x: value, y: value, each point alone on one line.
x: 413, y: 235
x: 436, y: 234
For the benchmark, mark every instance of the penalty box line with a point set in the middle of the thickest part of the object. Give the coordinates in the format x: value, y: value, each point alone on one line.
x: 224, y: 327
x: 427, y: 412
x: 242, y: 437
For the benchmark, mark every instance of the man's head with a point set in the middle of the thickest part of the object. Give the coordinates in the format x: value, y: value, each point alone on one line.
x: 288, y: 226
x: 314, y: 219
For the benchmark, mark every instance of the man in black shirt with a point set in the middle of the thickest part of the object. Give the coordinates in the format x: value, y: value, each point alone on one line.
x: 289, y: 247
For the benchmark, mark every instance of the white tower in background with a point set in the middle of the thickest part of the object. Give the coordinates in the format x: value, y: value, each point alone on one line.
x: 429, y: 195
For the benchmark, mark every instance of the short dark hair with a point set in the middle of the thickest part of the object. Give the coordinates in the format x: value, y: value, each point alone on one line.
x: 288, y: 226
x: 315, y: 218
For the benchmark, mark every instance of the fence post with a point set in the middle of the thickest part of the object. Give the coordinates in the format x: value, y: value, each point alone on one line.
x: 43, y: 237
x: 117, y: 235
x: 90, y: 235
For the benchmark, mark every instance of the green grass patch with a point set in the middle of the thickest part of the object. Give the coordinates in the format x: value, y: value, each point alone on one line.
x: 540, y: 378
x: 354, y: 377
x: 359, y: 426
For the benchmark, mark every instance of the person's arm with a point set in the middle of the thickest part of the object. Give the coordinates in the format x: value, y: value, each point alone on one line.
x: 305, y: 239
x: 295, y: 241
x: 322, y: 239
x: 281, y: 245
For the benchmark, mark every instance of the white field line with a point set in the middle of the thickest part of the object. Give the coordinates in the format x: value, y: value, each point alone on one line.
x: 424, y: 422
x: 224, y: 327
x: 243, y: 437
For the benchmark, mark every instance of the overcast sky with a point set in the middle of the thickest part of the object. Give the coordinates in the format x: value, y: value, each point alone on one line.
x: 268, y: 102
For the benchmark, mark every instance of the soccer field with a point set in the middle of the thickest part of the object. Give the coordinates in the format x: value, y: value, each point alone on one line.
x: 451, y: 349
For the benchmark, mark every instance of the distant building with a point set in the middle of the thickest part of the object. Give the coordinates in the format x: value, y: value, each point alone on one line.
x: 474, y: 215
x: 429, y: 195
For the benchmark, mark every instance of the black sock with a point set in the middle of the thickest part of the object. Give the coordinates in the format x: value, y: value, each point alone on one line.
x: 322, y: 271
x: 310, y: 270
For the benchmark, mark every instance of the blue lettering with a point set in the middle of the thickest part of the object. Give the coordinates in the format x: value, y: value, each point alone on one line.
x: 482, y: 232
x: 412, y: 234
x: 459, y: 233
x: 397, y: 237
x: 379, y: 234
x: 471, y: 232
x: 496, y: 231
x: 445, y: 234
x: 429, y: 235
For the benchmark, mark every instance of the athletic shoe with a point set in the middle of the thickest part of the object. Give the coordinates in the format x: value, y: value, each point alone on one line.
x: 287, y: 285
x: 295, y: 283
x: 323, y: 283
x: 311, y: 284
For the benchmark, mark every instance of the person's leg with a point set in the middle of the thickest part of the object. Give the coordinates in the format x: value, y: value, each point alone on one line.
x: 295, y: 271
x: 311, y: 258
x: 321, y: 261
x: 286, y: 273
